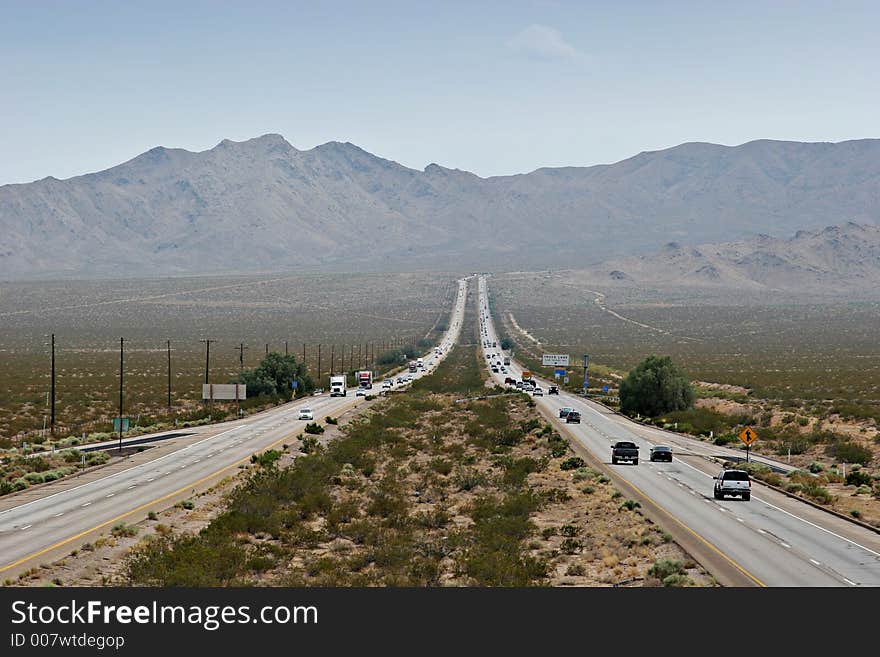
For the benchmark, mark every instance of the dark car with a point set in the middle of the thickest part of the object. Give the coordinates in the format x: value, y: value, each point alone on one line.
x: 624, y: 450
x: 573, y: 418
x: 565, y: 410
x: 553, y: 390
x: 509, y: 380
x: 660, y: 453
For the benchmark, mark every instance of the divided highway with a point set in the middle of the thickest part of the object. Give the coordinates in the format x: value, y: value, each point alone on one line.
x: 772, y: 540
x: 49, y: 526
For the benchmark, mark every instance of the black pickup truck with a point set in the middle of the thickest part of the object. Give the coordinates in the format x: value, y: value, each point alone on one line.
x: 624, y: 451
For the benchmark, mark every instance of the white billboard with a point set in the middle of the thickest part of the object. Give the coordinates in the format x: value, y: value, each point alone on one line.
x: 224, y: 391
x: 555, y: 359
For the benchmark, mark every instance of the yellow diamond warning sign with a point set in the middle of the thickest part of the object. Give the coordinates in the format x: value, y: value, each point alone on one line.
x: 748, y: 435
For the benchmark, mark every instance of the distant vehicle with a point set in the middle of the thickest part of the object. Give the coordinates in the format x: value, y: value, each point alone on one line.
x: 660, y: 453
x: 624, y: 450
x: 553, y: 390
x: 733, y: 482
x: 495, y: 369
x: 507, y: 360
x: 413, y: 366
x: 519, y: 385
x: 361, y: 392
x: 398, y: 380
x: 526, y: 375
x: 573, y: 418
x: 387, y: 384
x: 565, y: 410
x: 494, y: 344
x: 306, y: 414
x: 509, y: 380
x: 537, y: 392
x: 365, y: 379
x: 318, y: 391
x: 338, y: 386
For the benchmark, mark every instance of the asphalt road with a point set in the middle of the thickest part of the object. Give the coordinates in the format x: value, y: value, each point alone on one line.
x: 771, y: 540
x: 41, y: 528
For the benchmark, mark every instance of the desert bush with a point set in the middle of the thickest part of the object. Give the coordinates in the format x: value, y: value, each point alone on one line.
x: 314, y: 428
x: 849, y: 452
x: 663, y: 568
x: 859, y: 478
x: 572, y: 463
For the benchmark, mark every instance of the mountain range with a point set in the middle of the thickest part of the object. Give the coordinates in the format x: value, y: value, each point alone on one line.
x: 261, y: 205
x: 837, y: 259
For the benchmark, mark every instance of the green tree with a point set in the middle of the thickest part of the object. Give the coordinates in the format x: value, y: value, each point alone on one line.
x: 656, y: 386
x: 506, y: 343
x: 273, y: 376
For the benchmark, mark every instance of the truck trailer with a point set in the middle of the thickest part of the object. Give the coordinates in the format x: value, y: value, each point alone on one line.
x: 338, y: 386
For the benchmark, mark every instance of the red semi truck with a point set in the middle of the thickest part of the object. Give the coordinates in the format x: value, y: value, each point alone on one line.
x: 365, y: 379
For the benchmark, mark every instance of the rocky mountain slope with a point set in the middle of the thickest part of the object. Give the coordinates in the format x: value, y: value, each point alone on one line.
x: 264, y: 205
x: 835, y: 259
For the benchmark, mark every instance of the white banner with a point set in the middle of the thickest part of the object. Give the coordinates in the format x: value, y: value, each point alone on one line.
x: 224, y: 391
x: 555, y: 359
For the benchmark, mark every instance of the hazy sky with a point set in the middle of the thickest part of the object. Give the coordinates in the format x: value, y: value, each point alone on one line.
x: 491, y: 87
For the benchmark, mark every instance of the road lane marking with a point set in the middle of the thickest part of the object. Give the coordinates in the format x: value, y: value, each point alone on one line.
x: 849, y: 581
x: 817, y: 563
x: 130, y: 487
x: 111, y: 494
x: 86, y: 504
x: 26, y: 527
x: 58, y: 515
x: 785, y: 545
x: 741, y: 520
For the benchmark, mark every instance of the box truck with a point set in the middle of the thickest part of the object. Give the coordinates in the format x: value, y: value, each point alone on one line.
x: 337, y: 386
x: 365, y: 379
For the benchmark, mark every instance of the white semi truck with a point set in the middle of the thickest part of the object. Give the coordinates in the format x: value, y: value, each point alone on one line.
x: 337, y: 386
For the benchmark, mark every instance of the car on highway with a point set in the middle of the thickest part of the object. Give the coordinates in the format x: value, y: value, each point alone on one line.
x: 553, y: 390
x: 573, y: 417
x: 387, y: 384
x: 318, y: 392
x: 537, y: 392
x: 361, y: 392
x: 733, y: 482
x: 306, y: 414
x: 565, y: 410
x: 494, y: 369
x: 624, y: 450
x: 660, y: 453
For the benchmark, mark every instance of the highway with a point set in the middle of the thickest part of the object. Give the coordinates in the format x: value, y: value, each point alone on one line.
x: 771, y: 540
x: 50, y: 526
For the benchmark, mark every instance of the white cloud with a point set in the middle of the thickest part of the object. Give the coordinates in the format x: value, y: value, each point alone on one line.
x: 543, y: 42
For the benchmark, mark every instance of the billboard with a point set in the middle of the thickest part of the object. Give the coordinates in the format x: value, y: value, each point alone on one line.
x: 554, y: 359
x: 224, y: 391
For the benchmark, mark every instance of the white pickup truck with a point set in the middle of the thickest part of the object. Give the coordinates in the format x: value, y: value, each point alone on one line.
x: 733, y: 482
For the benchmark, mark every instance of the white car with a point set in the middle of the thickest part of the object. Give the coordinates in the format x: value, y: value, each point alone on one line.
x: 537, y: 392
x: 387, y: 384
x: 306, y: 414
x: 361, y: 392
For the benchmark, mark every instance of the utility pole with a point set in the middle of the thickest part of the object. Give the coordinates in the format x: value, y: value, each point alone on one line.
x: 168, y: 344
x: 304, y: 354
x: 319, y: 362
x: 586, y: 366
x: 240, y: 349
x: 342, y: 358
x: 267, y: 348
x: 52, y: 412
x: 359, y: 356
x: 207, y: 356
x: 332, y: 358
x: 285, y: 348
x: 121, y: 372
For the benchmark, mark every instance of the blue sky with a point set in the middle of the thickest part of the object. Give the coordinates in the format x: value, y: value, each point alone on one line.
x: 491, y: 87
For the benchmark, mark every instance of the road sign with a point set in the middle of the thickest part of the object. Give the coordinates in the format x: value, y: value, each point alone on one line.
x: 125, y: 422
x: 294, y: 384
x: 554, y: 359
x: 748, y: 435
x: 605, y: 388
x: 565, y: 380
x: 559, y: 373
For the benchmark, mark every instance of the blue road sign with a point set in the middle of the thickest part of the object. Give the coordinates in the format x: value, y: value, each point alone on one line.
x: 294, y: 384
x: 559, y: 372
x: 605, y: 388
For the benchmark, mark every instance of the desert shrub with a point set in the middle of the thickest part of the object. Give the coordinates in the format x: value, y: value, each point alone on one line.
x: 466, y: 479
x: 120, y: 529
x: 849, y: 452
x: 663, y: 568
x: 677, y: 580
x: 815, y: 467
x: 266, y: 459
x: 314, y: 428
x: 572, y: 463
x: 630, y: 505
x: 575, y: 570
x: 859, y: 478
x: 331, y: 420
x: 441, y: 466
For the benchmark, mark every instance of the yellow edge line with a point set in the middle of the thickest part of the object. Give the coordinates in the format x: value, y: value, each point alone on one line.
x: 142, y: 506
x: 708, y: 544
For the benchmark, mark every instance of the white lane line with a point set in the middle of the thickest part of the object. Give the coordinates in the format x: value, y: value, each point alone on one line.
x: 788, y: 513
x: 149, y: 480
x: 785, y: 545
x: 741, y: 520
x: 86, y: 504
x: 707, y: 501
x: 58, y: 515
x: 130, y: 487
x: 761, y: 531
x: 849, y: 581
x: 197, y: 460
x: 111, y: 494
x: 26, y: 527
x: 814, y: 562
